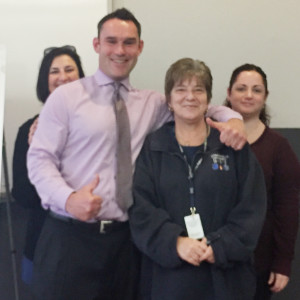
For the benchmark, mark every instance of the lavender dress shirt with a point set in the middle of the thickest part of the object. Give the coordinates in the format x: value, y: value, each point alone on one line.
x: 76, y: 139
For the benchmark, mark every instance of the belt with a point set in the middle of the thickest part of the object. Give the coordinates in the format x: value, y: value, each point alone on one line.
x: 102, y: 226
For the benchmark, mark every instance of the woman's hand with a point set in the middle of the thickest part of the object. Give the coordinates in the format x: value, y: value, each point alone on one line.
x: 194, y: 251
x: 208, y: 254
x: 277, y: 282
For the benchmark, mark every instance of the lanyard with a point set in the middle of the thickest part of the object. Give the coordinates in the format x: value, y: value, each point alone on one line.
x: 191, y: 176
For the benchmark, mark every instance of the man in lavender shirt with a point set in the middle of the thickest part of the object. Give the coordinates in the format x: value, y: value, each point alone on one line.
x: 85, y: 250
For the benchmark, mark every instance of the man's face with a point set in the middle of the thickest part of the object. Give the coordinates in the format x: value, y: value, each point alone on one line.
x: 118, y: 46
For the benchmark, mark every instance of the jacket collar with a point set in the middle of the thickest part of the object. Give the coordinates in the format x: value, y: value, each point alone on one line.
x: 164, y: 139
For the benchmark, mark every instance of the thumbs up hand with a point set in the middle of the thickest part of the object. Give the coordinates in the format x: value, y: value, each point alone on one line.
x: 84, y: 204
x: 233, y: 132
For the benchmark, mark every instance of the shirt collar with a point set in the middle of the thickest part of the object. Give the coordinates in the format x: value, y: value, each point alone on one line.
x: 102, y: 80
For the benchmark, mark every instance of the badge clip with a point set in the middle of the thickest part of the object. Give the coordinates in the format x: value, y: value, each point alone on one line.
x: 193, y: 210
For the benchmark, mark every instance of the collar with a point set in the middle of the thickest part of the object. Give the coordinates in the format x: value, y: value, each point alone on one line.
x: 164, y: 139
x: 103, y: 80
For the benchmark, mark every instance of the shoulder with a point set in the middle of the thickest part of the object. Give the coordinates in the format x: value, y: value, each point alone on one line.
x: 272, y: 136
x: 162, y: 138
x: 26, y: 125
x: 72, y: 88
x: 148, y: 95
x: 213, y: 140
x: 275, y: 141
x: 269, y: 143
x: 69, y: 95
x: 21, y: 142
x: 242, y: 157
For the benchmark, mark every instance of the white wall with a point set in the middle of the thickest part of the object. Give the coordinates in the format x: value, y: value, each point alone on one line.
x: 2, y: 89
x: 224, y: 34
x: 27, y: 27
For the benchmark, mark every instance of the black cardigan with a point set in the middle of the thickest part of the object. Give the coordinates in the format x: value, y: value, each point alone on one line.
x: 24, y: 192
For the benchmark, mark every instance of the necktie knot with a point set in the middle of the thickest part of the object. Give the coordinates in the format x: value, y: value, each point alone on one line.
x: 117, y: 86
x: 118, y: 102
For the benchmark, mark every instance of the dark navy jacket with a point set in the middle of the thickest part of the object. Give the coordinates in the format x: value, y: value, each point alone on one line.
x: 231, y: 200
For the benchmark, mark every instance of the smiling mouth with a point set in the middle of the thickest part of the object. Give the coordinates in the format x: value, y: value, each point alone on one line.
x: 120, y: 61
x: 247, y: 103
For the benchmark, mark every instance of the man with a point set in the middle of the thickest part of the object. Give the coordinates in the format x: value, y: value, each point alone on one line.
x: 84, y: 250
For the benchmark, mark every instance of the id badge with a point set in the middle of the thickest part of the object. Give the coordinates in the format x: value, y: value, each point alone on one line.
x: 194, y: 226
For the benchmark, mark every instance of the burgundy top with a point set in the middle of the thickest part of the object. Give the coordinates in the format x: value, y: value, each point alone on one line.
x: 275, y: 249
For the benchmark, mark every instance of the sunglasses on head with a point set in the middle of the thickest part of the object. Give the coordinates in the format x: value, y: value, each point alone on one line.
x: 68, y: 47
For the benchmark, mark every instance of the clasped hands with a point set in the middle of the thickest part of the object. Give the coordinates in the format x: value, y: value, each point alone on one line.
x: 194, y: 251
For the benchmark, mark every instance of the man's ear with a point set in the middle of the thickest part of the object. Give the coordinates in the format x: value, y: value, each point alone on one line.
x: 96, y: 44
x: 141, y: 46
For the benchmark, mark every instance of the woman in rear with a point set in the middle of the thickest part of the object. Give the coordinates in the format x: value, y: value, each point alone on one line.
x: 60, y: 65
x: 247, y: 93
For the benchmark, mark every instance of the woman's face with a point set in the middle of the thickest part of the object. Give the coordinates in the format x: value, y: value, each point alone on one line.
x: 62, y: 70
x: 248, y: 94
x: 188, y: 100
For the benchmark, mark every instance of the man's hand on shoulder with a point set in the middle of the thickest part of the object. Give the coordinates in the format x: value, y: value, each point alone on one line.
x: 84, y: 204
x: 32, y: 130
x: 233, y: 132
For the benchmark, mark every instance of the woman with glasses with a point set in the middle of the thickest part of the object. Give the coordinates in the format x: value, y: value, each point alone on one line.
x: 60, y: 65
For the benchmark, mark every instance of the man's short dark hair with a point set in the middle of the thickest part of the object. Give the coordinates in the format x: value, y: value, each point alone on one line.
x: 122, y: 14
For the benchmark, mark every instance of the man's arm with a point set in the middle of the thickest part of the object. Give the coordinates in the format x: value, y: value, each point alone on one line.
x: 44, y: 154
x: 229, y: 123
x: 62, y: 188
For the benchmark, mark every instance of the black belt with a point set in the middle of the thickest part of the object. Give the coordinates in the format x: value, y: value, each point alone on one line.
x: 102, y: 226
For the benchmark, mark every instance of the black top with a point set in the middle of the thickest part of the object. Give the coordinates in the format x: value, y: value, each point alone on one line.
x: 24, y: 192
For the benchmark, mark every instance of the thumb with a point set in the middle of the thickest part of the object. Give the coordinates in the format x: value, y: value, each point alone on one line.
x: 94, y: 183
x: 212, y: 123
x: 271, y: 278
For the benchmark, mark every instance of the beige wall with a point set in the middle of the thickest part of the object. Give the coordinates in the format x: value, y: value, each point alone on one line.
x: 224, y: 34
x: 27, y: 27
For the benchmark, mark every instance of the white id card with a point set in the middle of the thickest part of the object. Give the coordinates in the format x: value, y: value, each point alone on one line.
x: 194, y: 226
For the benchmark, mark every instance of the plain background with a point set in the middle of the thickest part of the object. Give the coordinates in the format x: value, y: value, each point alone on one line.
x: 224, y: 34
x: 27, y: 27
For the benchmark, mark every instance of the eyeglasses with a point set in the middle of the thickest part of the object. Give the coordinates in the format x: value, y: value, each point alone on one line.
x: 67, y: 47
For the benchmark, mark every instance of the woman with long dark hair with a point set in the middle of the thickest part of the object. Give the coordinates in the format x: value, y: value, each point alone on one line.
x: 60, y: 65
